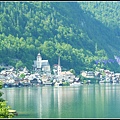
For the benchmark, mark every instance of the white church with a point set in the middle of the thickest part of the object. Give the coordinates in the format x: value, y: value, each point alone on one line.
x: 41, y: 65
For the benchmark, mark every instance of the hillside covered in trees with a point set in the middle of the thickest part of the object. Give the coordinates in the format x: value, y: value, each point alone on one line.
x: 80, y: 32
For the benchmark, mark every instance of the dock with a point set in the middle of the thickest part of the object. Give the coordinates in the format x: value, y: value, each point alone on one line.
x: 13, y: 111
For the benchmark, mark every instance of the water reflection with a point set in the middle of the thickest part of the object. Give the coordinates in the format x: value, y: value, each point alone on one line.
x: 85, y: 101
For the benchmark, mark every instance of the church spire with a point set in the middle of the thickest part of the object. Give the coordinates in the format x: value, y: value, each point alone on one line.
x: 59, y: 67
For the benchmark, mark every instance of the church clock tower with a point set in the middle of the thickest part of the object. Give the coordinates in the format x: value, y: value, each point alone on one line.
x: 39, y: 60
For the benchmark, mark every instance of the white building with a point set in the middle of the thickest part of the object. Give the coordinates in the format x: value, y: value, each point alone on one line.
x: 41, y: 65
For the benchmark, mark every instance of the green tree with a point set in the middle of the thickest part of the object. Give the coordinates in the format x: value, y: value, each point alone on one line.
x: 19, y: 64
x: 72, y: 71
x: 4, y: 108
x: 22, y: 75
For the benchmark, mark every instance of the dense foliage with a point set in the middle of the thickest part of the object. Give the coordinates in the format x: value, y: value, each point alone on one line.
x: 4, y: 113
x: 55, y: 28
x: 106, y: 12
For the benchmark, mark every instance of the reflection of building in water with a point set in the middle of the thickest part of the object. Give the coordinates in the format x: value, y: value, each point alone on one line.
x: 39, y: 103
x: 59, y: 100
x: 41, y: 65
x: 64, y: 98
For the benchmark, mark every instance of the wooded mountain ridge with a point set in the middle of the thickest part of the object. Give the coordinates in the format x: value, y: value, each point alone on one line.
x: 80, y: 32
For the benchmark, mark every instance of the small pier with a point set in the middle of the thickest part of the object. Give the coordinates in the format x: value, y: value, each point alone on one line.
x: 13, y: 111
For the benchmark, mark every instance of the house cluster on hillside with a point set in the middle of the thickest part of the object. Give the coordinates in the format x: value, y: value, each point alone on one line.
x: 107, y: 77
x: 42, y: 75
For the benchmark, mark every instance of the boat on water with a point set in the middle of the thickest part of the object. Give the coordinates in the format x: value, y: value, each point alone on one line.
x: 75, y: 84
x: 102, y: 81
x: 48, y: 83
x: 58, y: 84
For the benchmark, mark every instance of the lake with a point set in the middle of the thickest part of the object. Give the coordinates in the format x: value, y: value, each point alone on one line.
x: 84, y: 101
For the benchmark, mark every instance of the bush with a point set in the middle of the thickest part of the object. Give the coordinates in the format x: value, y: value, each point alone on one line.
x: 4, y: 108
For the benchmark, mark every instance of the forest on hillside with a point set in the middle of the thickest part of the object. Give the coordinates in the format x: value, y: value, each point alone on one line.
x: 106, y: 12
x: 57, y: 29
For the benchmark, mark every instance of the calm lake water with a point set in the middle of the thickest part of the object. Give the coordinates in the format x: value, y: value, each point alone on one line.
x: 84, y: 101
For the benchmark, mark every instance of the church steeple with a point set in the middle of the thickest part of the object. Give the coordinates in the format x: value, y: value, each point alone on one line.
x: 39, y: 58
x: 59, y: 67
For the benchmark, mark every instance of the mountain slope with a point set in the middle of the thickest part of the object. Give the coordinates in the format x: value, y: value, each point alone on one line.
x: 107, y: 13
x: 55, y: 28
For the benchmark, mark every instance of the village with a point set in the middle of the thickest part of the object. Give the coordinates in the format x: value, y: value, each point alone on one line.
x: 42, y: 76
